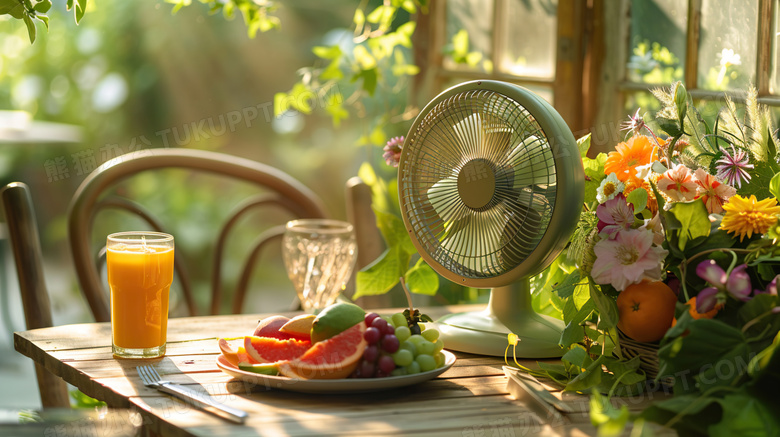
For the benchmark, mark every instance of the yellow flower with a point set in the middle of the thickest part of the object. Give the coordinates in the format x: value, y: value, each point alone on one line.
x: 746, y: 215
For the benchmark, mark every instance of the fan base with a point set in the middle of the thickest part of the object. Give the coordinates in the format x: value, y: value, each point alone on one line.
x: 483, y: 334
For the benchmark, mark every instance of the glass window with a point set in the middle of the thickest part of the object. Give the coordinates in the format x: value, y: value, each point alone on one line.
x: 529, y: 40
x: 774, y: 79
x: 475, y: 17
x: 727, y: 44
x: 657, y: 41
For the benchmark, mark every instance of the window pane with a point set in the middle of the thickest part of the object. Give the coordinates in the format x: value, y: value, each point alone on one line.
x: 657, y: 48
x: 475, y: 18
x: 774, y: 79
x: 529, y: 41
x: 727, y: 48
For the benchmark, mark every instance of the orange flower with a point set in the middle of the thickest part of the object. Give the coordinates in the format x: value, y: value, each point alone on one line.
x: 634, y: 183
x: 639, y: 150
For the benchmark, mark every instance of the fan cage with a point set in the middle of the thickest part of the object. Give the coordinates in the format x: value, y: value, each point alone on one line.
x: 464, y: 139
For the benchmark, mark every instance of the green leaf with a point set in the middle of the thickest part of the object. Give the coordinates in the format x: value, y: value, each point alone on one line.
x: 759, y: 185
x: 610, y: 421
x: 744, y: 415
x: 336, y: 108
x: 31, y: 31
x: 638, y: 198
x: 594, y: 174
x: 42, y: 6
x: 759, y: 308
x: 15, y: 8
x: 80, y: 9
x: 369, y: 80
x: 589, y: 378
x: 583, y: 143
x: 670, y: 126
x: 708, y: 351
x: 381, y: 275
x: 394, y: 231
x: 577, y: 356
x: 44, y: 19
x: 421, y: 279
x: 691, y: 221
x: 332, y: 52
x: 774, y: 185
x: 460, y: 43
x: 566, y: 287
x: 606, y: 306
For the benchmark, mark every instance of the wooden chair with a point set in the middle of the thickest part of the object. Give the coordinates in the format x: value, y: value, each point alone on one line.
x: 280, y: 189
x: 26, y: 248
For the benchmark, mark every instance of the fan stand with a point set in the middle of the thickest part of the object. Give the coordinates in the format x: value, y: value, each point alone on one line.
x: 509, y: 310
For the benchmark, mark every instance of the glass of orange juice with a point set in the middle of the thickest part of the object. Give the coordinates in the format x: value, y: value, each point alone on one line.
x: 140, y: 273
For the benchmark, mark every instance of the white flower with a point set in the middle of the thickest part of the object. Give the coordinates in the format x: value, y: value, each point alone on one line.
x: 728, y: 57
x: 609, y: 188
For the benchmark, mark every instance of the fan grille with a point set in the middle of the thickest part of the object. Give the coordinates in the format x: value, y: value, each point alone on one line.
x: 478, y: 184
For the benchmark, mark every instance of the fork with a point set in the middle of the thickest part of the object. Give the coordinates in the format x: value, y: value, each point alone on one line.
x: 204, y: 401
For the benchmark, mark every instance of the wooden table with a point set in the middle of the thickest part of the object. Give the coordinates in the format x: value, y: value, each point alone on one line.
x: 470, y: 399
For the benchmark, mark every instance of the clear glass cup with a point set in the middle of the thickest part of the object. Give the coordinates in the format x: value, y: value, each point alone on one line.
x: 140, y: 273
x: 319, y: 255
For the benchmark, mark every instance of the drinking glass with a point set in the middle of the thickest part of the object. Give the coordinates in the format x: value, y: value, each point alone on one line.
x: 140, y: 273
x: 319, y: 255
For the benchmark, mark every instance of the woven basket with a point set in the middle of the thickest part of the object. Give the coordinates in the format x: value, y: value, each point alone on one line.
x: 647, y: 352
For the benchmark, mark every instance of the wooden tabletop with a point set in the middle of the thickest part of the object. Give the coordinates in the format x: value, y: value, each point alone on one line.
x: 470, y: 399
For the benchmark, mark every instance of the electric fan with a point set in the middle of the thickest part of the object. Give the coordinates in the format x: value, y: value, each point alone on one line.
x: 491, y: 183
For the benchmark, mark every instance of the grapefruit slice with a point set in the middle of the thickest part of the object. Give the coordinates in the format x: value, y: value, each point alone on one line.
x: 299, y: 326
x: 334, y: 358
x: 269, y: 327
x: 235, y: 356
x: 272, y: 350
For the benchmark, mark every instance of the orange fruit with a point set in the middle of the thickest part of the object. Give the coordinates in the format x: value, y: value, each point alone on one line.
x: 334, y: 358
x: 272, y: 350
x: 697, y: 315
x: 646, y: 310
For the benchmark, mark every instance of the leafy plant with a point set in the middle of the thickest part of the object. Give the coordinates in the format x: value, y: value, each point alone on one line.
x: 257, y: 14
x: 29, y: 10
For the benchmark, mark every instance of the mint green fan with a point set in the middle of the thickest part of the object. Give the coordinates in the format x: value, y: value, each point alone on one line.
x: 491, y: 187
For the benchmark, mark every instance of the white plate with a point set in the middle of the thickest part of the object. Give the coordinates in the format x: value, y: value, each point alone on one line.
x: 351, y: 385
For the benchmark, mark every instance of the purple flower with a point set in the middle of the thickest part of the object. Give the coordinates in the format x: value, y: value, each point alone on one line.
x: 711, y: 272
x: 733, y: 167
x: 635, y: 123
x: 771, y: 288
x: 738, y: 284
x: 392, y: 150
x: 706, y: 300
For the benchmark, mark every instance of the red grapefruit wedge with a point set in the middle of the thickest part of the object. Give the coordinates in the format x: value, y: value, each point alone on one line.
x: 334, y: 358
x: 272, y: 350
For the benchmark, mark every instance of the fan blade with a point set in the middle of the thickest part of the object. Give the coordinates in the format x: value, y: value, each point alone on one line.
x: 473, y: 244
x: 533, y: 164
x: 444, y: 198
x: 469, y: 133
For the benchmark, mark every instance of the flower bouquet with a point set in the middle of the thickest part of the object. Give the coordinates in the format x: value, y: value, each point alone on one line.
x: 670, y: 279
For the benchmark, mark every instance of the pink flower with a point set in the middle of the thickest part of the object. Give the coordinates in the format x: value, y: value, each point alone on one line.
x: 733, y: 167
x: 678, y: 183
x: 628, y: 259
x: 392, y: 150
x: 614, y: 215
x: 712, y: 192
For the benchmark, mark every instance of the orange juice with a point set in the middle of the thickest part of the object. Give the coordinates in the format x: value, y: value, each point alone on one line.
x: 140, y: 279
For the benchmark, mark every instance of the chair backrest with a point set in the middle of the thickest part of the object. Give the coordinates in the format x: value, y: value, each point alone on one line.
x: 26, y: 248
x: 282, y: 190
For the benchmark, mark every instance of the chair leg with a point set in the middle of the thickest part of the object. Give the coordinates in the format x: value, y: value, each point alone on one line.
x: 54, y: 391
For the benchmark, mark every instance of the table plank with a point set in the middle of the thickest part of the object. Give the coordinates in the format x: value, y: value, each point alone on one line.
x: 471, y: 398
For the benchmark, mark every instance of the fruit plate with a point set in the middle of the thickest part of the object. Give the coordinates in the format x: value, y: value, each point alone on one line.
x: 351, y: 385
